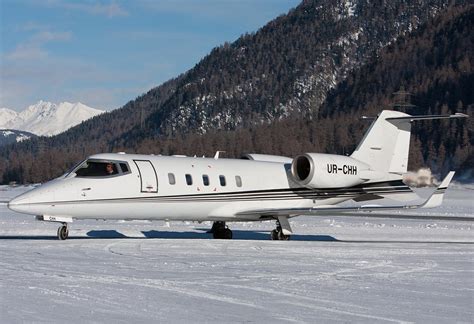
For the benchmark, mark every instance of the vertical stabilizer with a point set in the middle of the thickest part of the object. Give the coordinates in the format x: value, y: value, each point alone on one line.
x: 386, y: 144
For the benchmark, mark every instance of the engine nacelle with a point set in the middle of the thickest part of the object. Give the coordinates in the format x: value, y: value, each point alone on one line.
x: 316, y: 170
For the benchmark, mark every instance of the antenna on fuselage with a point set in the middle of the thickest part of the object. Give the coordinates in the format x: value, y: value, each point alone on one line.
x: 216, y: 156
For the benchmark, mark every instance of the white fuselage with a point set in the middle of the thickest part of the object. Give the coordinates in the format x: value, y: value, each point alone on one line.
x: 159, y: 188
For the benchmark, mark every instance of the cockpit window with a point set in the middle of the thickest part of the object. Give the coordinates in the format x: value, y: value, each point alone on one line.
x: 99, y: 168
x: 71, y: 170
x: 124, y: 167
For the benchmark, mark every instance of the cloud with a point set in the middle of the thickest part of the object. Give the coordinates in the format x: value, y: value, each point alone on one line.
x: 25, y: 69
x: 54, y: 78
x: 33, y: 47
x: 32, y: 26
x: 49, y: 36
x: 109, y: 9
x: 26, y: 52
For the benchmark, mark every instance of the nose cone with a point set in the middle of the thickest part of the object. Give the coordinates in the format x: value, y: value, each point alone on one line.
x: 19, y: 204
x: 33, y: 201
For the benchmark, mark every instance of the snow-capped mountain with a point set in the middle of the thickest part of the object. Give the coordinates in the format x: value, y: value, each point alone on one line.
x: 46, y: 118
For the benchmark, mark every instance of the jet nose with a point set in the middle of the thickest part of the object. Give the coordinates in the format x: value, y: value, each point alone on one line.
x: 34, y: 201
x: 19, y: 205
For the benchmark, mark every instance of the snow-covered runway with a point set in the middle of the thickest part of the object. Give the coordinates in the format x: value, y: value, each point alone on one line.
x: 335, y: 269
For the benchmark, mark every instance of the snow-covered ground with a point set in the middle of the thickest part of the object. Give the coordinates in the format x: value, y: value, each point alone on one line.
x: 335, y: 269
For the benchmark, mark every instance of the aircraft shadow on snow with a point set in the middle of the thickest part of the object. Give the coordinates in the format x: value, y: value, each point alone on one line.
x: 238, y: 235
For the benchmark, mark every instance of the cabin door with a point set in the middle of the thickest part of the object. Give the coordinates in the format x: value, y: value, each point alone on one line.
x: 148, y: 178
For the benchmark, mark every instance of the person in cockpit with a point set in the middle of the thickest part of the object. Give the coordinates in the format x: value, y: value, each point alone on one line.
x: 109, y: 169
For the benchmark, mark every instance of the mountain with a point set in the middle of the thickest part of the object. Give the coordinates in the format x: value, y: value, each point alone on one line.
x: 46, y: 118
x: 284, y: 69
x: 299, y: 84
x: 435, y: 64
x: 6, y: 116
x: 9, y: 136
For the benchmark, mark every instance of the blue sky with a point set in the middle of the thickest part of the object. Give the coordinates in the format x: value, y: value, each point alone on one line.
x: 105, y: 53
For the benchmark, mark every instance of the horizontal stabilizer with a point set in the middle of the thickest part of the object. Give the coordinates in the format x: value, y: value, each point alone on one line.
x: 428, y: 117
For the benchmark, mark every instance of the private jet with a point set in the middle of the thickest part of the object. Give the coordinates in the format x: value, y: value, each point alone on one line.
x: 258, y: 187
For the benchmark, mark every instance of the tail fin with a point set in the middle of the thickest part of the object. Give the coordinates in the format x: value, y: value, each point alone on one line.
x: 386, y: 144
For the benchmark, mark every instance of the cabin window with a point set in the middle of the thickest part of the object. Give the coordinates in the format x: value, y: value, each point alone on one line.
x: 124, y: 167
x: 205, y: 179
x: 238, y: 181
x: 222, y: 180
x: 189, y: 179
x: 171, y: 178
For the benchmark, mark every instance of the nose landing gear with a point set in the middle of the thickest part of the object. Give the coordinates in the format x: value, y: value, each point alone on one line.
x: 63, y: 232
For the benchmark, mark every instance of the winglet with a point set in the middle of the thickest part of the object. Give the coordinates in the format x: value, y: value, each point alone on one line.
x: 436, y: 197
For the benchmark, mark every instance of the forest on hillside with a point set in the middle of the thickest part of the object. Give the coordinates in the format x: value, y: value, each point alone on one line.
x: 434, y: 65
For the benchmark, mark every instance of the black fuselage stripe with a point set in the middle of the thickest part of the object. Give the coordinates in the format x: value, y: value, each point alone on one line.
x: 281, y: 196
x: 288, y: 191
x: 263, y: 195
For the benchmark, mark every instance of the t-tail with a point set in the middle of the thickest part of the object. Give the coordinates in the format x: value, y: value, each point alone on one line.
x: 386, y: 144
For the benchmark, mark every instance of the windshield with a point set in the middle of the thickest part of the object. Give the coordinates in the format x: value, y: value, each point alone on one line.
x: 71, y: 170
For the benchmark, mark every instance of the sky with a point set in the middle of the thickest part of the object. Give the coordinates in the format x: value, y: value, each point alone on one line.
x: 105, y: 53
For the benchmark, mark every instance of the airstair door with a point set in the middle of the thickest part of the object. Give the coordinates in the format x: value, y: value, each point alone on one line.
x: 148, y: 177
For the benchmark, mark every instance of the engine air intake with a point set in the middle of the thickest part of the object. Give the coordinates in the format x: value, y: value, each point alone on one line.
x: 302, y: 168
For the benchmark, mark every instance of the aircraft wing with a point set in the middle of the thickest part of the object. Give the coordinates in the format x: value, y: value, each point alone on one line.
x: 434, y: 200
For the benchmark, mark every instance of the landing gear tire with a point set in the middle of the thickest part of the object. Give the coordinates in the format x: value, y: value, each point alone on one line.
x: 63, y: 232
x: 223, y: 234
x: 277, y: 235
x: 274, y: 235
x: 221, y: 231
x: 216, y: 226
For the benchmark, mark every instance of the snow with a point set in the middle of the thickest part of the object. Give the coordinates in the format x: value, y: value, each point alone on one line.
x: 22, y: 138
x: 348, y: 9
x: 6, y: 116
x: 46, y: 118
x: 335, y: 269
x: 7, y: 133
x: 18, y: 135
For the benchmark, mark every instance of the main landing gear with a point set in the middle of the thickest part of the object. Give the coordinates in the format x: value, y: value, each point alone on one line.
x: 281, y: 233
x: 63, y: 232
x: 220, y: 231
